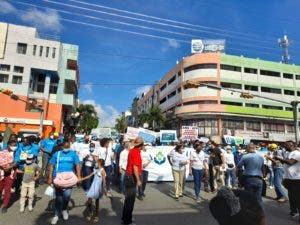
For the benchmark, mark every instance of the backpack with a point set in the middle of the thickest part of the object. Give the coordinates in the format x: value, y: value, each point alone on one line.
x: 5, y: 158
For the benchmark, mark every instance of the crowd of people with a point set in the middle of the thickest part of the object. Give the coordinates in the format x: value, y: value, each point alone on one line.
x: 238, y: 175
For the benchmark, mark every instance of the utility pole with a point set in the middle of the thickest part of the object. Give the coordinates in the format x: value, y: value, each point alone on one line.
x: 284, y: 43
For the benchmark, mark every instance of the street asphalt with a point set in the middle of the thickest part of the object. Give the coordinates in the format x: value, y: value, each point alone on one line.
x: 157, y: 208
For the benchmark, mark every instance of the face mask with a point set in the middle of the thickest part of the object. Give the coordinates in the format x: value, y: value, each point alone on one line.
x: 28, y: 162
x: 51, y: 136
x: 92, y: 149
x: 13, y: 148
x: 66, y: 150
x: 19, y: 139
x: 86, y: 140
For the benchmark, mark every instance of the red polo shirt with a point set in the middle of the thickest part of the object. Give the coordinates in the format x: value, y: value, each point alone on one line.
x: 134, y: 158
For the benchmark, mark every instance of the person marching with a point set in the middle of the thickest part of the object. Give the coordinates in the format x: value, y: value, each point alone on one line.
x: 132, y: 179
x: 31, y: 172
x: 61, y: 174
x: 198, y: 165
x: 96, y: 190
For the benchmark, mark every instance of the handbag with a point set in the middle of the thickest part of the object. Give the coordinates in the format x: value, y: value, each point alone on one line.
x: 50, y: 191
x: 64, y: 179
x: 5, y: 158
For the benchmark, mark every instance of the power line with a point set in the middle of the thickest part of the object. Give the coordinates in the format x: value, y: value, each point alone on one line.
x: 157, y: 23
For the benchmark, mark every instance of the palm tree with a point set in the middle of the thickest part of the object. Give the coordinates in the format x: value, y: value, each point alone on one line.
x: 156, y: 117
x: 88, y: 117
x: 143, y: 118
x: 121, y: 124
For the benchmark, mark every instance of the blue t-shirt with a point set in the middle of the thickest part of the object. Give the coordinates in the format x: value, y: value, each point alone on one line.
x: 48, y: 145
x: 253, y: 164
x: 66, y: 161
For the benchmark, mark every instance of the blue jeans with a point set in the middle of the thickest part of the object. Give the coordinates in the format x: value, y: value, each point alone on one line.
x: 87, y: 170
x: 278, y: 174
x: 230, y: 174
x: 122, y: 185
x: 62, y: 199
x: 144, y: 178
x: 197, y: 174
x: 271, y: 175
x: 108, y: 171
x: 254, y: 185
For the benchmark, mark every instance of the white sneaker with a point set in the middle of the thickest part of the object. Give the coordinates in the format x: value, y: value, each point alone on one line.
x: 30, y: 208
x: 271, y: 187
x: 65, y: 214
x: 198, y: 200
x: 22, y: 209
x: 54, y: 220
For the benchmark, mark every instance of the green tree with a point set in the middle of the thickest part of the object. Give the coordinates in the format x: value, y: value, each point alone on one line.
x: 156, y: 117
x: 89, y: 118
x: 143, y: 118
x: 121, y: 124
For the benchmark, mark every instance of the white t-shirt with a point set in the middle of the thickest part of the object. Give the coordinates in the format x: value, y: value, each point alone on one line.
x: 145, y: 158
x: 90, y: 160
x: 293, y: 171
x: 105, y: 154
x: 123, y: 159
x: 177, y: 159
x: 229, y: 159
x: 82, y: 150
x: 198, y: 160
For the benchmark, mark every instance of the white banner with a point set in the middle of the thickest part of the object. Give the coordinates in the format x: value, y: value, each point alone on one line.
x: 189, y: 133
x: 160, y: 168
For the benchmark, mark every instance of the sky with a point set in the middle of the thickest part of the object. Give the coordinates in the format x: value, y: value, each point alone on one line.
x: 125, y: 46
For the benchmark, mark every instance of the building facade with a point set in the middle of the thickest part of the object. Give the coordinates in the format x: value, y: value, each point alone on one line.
x: 223, y: 112
x: 39, y: 70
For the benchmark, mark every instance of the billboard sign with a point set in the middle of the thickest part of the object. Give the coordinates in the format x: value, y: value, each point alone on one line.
x: 189, y: 133
x: 168, y: 135
x: 205, y: 46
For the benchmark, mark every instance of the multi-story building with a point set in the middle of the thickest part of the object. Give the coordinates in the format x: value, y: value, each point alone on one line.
x: 40, y: 70
x: 222, y: 112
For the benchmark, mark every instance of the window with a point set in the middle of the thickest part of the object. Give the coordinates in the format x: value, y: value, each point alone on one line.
x: 298, y: 93
x: 201, y: 102
x: 17, y: 79
x: 272, y: 107
x: 200, y: 66
x: 271, y: 90
x: 250, y: 70
x: 21, y: 48
x: 231, y: 85
x: 34, y: 50
x: 251, y: 88
x: 288, y: 76
x: 172, y: 80
x: 231, y: 68
x: 4, y: 67
x: 273, y: 127
x: 163, y: 87
x: 269, y: 73
x: 53, y: 89
x: 18, y: 69
x: 288, y: 109
x: 252, y: 105
x: 172, y: 94
x: 233, y: 124
x: 3, y: 78
x: 231, y: 103
x: 253, y: 125
x: 41, y: 50
x: 47, y: 52
x: 206, y: 127
x: 289, y: 92
x: 163, y: 100
x: 179, y: 73
x: 297, y: 77
x: 53, y: 52
x: 178, y: 90
x: 290, y: 128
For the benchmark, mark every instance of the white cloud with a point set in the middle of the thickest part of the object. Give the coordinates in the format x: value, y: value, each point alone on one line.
x: 88, y: 87
x: 143, y: 89
x: 7, y: 8
x: 43, y: 20
x: 107, y: 114
x: 171, y: 44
